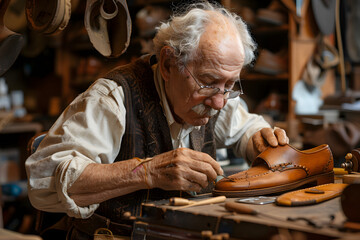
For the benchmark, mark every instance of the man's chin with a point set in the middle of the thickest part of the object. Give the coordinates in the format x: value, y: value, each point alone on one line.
x: 201, y: 122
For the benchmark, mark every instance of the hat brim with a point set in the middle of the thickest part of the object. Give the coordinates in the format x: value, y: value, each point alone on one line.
x: 110, y: 37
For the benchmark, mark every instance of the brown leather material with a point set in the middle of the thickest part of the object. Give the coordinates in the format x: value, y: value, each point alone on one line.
x: 311, y: 195
x: 280, y: 169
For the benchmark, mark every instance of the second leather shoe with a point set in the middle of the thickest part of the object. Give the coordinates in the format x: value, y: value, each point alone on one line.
x: 280, y: 169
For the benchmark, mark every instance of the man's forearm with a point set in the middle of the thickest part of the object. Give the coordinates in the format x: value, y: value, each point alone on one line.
x: 100, y: 182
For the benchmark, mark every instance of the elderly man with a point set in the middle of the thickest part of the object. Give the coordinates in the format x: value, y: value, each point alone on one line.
x: 149, y: 130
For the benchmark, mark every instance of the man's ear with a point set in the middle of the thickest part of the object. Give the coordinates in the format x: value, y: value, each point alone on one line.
x: 166, y: 58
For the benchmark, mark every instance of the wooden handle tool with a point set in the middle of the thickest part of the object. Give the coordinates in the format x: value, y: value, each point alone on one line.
x: 183, y: 203
x: 178, y: 201
x: 240, y: 208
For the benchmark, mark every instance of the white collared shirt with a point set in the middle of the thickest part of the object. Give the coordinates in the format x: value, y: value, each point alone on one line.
x: 90, y: 130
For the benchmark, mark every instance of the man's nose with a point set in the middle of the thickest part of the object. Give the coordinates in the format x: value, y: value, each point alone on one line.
x: 216, y: 102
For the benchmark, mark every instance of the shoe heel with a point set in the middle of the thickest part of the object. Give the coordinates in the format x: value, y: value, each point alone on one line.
x: 325, y: 178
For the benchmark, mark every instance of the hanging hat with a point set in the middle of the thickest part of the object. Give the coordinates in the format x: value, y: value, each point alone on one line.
x: 48, y: 17
x: 11, y: 43
x: 352, y: 32
x: 324, y: 13
x: 312, y: 75
x: 15, y: 18
x: 10, y: 49
x: 108, y: 24
x: 326, y: 55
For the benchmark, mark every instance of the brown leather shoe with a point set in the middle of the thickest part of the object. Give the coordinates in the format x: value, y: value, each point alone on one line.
x: 280, y: 169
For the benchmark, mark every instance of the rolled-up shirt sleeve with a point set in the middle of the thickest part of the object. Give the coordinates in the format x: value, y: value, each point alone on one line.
x: 235, y: 126
x: 88, y: 131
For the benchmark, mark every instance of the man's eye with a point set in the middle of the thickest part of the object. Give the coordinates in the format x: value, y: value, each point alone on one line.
x: 207, y: 82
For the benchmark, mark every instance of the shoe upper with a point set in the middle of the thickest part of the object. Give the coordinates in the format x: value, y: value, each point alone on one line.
x: 279, y: 166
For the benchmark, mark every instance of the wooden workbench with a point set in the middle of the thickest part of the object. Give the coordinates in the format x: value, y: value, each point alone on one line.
x: 161, y: 221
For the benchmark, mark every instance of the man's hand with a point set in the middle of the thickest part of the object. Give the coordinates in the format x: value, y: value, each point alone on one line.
x: 182, y: 169
x: 264, y: 138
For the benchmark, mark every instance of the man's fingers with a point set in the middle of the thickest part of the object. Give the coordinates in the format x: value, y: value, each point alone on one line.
x: 175, y: 170
x: 194, y: 187
x: 281, y: 136
x: 181, y: 178
x: 205, y: 168
x: 201, y: 163
x: 259, y: 142
x: 204, y: 158
x: 269, y: 136
x: 196, y: 177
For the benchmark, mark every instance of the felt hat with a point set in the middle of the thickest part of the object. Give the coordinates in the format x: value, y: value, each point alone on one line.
x: 108, y: 25
x: 11, y: 43
x: 352, y: 32
x: 324, y: 13
x: 15, y: 18
x: 312, y: 75
x: 49, y: 17
x: 326, y: 55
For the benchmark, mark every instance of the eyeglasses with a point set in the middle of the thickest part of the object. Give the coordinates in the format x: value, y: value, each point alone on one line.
x: 210, y: 91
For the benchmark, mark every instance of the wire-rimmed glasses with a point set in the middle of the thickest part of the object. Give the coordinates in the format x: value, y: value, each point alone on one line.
x: 210, y: 91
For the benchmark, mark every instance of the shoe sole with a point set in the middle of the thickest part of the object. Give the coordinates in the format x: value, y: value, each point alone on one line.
x: 316, y: 180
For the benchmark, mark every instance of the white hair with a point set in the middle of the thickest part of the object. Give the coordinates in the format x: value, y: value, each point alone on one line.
x: 184, y: 30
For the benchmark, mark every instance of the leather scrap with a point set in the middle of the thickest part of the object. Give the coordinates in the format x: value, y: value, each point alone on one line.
x: 312, y: 195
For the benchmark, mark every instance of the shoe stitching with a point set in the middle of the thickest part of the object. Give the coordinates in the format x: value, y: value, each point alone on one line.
x: 248, y: 181
x: 287, y: 166
x: 280, y: 167
x: 253, y: 176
